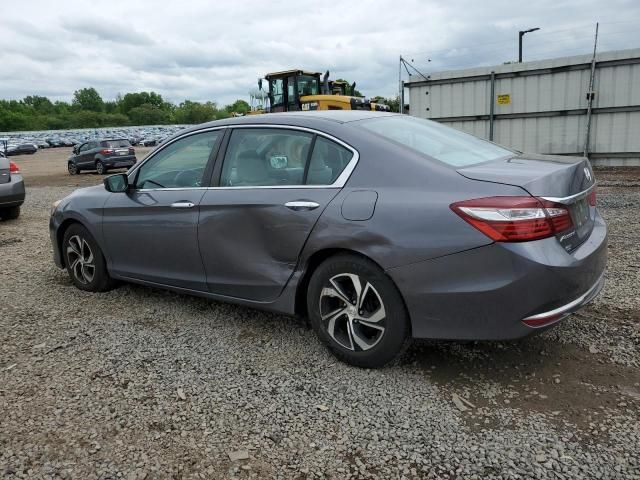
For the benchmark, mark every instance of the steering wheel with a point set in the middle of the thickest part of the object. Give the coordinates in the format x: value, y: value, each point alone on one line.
x: 188, y: 178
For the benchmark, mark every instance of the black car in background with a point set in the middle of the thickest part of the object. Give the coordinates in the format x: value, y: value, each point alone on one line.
x: 101, y: 156
x: 21, y: 149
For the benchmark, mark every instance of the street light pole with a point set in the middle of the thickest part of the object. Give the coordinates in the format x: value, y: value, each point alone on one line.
x: 520, y: 35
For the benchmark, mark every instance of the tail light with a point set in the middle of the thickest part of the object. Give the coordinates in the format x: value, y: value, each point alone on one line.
x: 591, y: 198
x: 106, y: 151
x: 13, y: 168
x: 515, y: 219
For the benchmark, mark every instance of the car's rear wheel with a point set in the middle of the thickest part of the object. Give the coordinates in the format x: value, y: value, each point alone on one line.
x: 100, y: 168
x: 84, y: 260
x: 72, y: 168
x: 10, y: 213
x: 357, y: 311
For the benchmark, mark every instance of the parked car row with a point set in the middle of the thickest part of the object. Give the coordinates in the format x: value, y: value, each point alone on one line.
x: 30, y: 142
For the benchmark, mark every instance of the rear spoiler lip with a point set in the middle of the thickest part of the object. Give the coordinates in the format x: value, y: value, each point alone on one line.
x: 571, y: 198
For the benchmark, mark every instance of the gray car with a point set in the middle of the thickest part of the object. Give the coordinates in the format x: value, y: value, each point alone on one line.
x: 12, y: 191
x: 101, y: 156
x: 378, y: 227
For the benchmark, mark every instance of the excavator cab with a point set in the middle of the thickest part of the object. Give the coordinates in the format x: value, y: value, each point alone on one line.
x: 294, y: 90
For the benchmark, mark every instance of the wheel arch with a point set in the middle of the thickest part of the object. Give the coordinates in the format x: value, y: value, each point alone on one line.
x: 315, y: 260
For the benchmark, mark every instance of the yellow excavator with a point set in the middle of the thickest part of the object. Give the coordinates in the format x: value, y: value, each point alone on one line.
x: 295, y: 90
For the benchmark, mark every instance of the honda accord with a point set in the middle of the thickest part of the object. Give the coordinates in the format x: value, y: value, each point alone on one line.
x: 378, y: 227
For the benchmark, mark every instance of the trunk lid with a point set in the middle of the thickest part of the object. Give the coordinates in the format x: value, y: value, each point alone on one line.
x: 559, y: 179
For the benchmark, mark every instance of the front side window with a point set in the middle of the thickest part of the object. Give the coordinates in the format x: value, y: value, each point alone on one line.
x: 437, y: 141
x: 180, y: 164
x: 276, y: 88
x: 265, y: 157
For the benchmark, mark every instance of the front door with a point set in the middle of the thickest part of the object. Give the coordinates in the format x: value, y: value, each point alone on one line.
x: 151, y: 232
x: 274, y: 184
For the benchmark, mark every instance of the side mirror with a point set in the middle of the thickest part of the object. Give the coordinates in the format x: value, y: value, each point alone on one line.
x: 75, y: 149
x: 118, y: 183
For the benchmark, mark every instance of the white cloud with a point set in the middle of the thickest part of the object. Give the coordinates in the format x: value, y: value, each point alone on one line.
x: 205, y: 50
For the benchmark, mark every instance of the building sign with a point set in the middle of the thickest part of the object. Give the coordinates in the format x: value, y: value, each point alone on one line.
x: 504, y: 99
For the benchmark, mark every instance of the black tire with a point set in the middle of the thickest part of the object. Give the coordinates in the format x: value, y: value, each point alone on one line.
x: 10, y: 213
x: 73, y: 168
x: 380, y: 347
x: 100, y: 168
x: 91, y: 276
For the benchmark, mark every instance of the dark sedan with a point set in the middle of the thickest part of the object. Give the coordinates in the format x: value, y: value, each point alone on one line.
x: 378, y: 227
x: 22, y: 149
x: 101, y: 156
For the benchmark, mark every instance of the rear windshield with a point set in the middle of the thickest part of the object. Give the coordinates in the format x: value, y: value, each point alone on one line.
x: 430, y: 138
x: 115, y: 143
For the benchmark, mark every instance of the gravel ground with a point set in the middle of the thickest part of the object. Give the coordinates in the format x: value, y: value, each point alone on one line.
x: 141, y: 383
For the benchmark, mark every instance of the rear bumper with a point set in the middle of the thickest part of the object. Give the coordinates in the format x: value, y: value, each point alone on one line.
x: 12, y: 194
x: 486, y: 293
x: 124, y: 161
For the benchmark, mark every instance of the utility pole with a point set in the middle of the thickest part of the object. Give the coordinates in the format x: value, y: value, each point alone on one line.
x: 400, y: 87
x: 590, y: 95
x: 521, y: 34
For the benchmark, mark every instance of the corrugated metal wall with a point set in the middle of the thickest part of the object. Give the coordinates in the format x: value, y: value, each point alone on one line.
x: 545, y: 111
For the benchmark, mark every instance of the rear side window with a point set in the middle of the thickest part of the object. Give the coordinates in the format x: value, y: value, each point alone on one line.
x: 265, y: 157
x: 115, y: 143
x: 328, y: 161
x: 275, y: 156
x: 437, y: 141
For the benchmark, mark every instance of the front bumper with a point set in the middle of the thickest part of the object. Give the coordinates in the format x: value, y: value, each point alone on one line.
x: 12, y: 194
x: 486, y: 293
x: 54, y: 224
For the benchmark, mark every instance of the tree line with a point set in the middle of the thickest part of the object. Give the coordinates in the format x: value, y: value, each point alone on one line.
x: 89, y: 110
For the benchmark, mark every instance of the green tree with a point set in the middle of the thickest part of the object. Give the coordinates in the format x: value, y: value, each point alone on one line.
x: 194, y: 112
x: 39, y: 104
x: 147, y: 114
x: 239, y: 106
x: 88, y: 99
x: 137, y: 99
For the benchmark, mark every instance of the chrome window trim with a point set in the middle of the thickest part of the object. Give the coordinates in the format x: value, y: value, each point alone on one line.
x: 339, y: 182
x: 571, y: 198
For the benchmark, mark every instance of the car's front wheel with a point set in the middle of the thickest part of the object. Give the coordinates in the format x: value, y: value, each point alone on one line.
x: 84, y: 260
x: 72, y: 168
x: 357, y: 311
x: 100, y: 168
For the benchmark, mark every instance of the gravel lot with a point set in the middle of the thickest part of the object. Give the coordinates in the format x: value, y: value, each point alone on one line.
x: 140, y: 383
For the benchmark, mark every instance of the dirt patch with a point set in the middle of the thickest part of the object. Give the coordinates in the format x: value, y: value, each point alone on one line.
x: 531, y: 375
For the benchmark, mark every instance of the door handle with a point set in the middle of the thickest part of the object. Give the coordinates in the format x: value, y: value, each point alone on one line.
x: 300, y: 205
x: 183, y: 205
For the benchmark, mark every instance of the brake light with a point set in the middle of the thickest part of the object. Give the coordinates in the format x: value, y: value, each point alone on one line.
x: 591, y: 198
x: 106, y: 151
x: 13, y: 168
x: 514, y: 219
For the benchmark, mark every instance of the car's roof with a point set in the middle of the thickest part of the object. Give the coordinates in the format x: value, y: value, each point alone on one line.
x: 300, y: 118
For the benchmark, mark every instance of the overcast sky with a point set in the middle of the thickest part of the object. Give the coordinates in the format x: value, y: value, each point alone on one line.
x: 208, y: 50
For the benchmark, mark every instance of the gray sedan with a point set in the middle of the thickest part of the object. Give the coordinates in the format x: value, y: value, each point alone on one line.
x: 377, y: 227
x: 12, y: 191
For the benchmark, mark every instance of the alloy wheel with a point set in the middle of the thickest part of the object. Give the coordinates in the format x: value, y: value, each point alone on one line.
x: 72, y: 169
x: 352, y: 312
x: 99, y: 167
x: 81, y: 259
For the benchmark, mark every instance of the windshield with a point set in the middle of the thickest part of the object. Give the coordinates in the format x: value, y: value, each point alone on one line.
x: 435, y: 140
x: 116, y: 143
